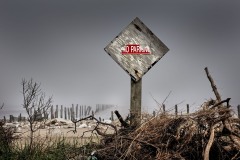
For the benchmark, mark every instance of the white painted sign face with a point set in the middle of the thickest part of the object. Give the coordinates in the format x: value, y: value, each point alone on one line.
x: 136, y: 49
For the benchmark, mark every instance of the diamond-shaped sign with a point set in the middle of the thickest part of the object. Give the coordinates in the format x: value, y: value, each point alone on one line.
x: 136, y: 49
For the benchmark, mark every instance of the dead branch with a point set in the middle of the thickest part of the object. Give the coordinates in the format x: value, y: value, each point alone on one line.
x: 161, y: 105
x: 220, y: 103
x: 210, y: 133
x: 210, y: 142
x: 96, y: 128
x: 124, y: 124
x: 234, y: 137
x: 214, y: 87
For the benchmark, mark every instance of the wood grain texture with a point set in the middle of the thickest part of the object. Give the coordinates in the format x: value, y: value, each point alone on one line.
x: 136, y: 100
x: 138, y: 64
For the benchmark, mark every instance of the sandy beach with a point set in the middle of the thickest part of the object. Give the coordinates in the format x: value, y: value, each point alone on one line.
x: 60, y: 129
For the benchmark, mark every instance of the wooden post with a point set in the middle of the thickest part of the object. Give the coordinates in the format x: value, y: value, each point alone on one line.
x: 163, y: 108
x: 154, y: 113
x: 97, y: 108
x: 123, y: 123
x: 76, y: 112
x: 65, y: 113
x: 20, y: 118
x: 45, y: 113
x: 10, y: 118
x: 176, y: 110
x: 187, y: 108
x: 80, y: 112
x: 72, y: 113
x: 52, y: 115
x: 69, y: 115
x: 61, y: 114
x: 85, y: 111
x: 4, y: 119
x: 136, y: 98
x: 56, y: 112
x: 89, y: 110
x: 238, y: 111
x: 112, y: 118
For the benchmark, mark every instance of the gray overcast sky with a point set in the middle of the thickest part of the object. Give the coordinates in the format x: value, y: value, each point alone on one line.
x: 61, y: 45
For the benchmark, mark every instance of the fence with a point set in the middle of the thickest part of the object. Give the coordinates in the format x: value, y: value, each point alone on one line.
x: 76, y: 111
x: 177, y: 113
x: 81, y: 111
x: 69, y: 113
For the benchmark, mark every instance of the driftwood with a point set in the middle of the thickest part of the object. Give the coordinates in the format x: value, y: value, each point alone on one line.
x: 214, y: 87
x: 96, y: 128
x: 123, y: 123
x: 233, y: 136
x: 210, y: 133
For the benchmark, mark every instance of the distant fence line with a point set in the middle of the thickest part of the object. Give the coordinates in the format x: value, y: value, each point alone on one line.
x: 81, y: 111
x: 177, y: 112
x: 69, y: 113
x: 76, y: 111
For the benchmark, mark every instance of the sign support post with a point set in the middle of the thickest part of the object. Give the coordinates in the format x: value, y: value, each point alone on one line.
x: 136, y: 49
x: 136, y: 99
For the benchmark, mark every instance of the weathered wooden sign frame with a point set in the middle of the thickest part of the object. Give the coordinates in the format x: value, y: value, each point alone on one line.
x: 136, y: 49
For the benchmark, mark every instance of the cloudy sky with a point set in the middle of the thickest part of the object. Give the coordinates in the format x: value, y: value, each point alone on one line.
x: 60, y: 44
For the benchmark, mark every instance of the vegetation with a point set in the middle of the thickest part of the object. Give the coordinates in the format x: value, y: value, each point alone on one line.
x: 35, y: 105
x: 38, y: 148
x: 210, y: 133
x: 60, y: 149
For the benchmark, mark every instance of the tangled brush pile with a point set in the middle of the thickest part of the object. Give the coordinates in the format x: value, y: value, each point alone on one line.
x: 210, y: 133
x: 206, y: 134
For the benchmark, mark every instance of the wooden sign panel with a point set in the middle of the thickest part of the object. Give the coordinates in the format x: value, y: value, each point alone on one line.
x: 136, y: 49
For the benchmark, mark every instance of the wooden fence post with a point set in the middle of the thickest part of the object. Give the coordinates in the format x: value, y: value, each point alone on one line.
x: 112, y: 118
x: 10, y: 118
x: 176, y: 110
x: 72, y: 113
x: 164, y: 109
x: 80, y: 112
x: 187, y: 108
x: 52, y: 114
x: 76, y: 112
x: 65, y: 113
x: 70, y: 109
x: 61, y: 112
x: 89, y: 110
x: 56, y: 112
x: 69, y: 114
x: 85, y: 110
x: 20, y: 118
x: 238, y: 111
x: 154, y: 113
